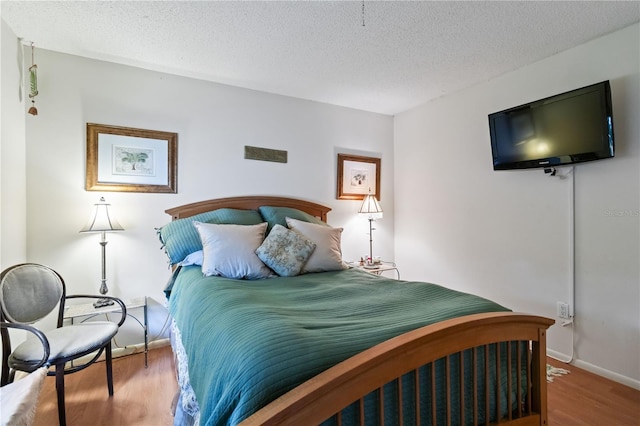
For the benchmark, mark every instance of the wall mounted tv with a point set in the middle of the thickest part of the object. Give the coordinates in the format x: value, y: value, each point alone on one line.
x: 568, y: 128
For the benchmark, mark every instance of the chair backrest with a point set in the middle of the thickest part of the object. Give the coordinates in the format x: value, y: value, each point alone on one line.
x: 29, y: 292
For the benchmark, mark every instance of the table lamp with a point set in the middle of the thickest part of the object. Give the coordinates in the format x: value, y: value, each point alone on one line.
x: 371, y: 207
x: 102, y: 220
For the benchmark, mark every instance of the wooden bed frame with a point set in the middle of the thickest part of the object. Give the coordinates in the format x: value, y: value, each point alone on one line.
x: 248, y: 203
x: 326, y: 394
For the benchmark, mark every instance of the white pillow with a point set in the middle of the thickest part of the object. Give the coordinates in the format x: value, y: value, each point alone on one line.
x: 194, y: 258
x: 328, y: 253
x: 229, y: 250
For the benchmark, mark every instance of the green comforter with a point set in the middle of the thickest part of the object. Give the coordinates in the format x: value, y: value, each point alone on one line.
x: 249, y: 342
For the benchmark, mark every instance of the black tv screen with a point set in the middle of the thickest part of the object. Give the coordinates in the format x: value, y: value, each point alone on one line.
x: 568, y: 128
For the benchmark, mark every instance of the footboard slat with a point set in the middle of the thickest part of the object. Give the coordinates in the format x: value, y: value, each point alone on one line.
x: 447, y: 387
x: 434, y: 405
x: 461, y: 384
x: 498, y: 389
x: 418, y: 405
x: 487, y: 390
x: 529, y: 383
x: 509, y: 378
x: 519, y: 381
x: 481, y: 335
x: 381, y: 394
x: 400, y: 399
x: 475, y: 386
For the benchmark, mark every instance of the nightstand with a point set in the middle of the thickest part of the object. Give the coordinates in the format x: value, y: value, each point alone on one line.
x: 379, y: 269
x: 86, y: 311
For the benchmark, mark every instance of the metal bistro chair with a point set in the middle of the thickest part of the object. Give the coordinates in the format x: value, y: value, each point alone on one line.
x: 28, y: 293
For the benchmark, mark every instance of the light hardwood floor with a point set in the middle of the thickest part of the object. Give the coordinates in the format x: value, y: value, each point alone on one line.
x: 584, y: 398
x: 143, y: 396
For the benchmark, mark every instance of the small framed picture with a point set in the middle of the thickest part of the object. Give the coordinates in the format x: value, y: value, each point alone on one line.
x: 357, y: 175
x: 131, y: 160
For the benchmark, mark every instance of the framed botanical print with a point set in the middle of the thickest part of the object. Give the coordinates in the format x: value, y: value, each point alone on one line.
x: 357, y: 175
x: 131, y: 160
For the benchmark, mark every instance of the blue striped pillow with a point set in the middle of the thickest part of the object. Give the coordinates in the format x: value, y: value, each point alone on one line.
x: 278, y: 216
x: 180, y: 238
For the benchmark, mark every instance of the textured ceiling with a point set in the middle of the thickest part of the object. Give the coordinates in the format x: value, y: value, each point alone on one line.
x: 406, y: 53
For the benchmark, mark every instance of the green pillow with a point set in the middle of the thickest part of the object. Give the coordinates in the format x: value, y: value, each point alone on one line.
x: 180, y: 238
x: 278, y: 216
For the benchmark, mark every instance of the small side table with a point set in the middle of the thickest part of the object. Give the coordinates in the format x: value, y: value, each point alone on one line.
x: 88, y: 311
x: 379, y: 269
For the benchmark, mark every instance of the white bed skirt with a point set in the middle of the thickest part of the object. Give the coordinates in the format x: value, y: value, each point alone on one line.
x: 187, y: 412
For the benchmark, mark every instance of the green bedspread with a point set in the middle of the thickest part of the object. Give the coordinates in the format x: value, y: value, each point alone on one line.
x: 249, y: 342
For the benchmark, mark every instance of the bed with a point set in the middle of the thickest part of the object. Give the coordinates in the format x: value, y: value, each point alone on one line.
x: 321, y: 343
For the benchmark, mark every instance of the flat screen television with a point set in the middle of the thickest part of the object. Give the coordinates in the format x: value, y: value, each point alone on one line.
x: 568, y: 128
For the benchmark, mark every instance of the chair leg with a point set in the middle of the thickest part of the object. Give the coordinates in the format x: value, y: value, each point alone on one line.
x: 60, y: 392
x: 109, y: 369
x: 4, y: 376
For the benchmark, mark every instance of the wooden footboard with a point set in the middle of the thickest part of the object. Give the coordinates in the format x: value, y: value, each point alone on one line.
x: 449, y: 344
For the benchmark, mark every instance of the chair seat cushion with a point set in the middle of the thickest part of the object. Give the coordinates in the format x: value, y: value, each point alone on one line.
x: 66, y: 342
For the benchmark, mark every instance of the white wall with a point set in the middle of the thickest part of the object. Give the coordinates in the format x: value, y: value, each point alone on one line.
x: 13, y: 204
x: 214, y: 122
x: 507, y: 235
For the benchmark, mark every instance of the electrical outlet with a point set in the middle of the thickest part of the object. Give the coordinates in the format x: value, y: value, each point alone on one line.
x: 563, y: 310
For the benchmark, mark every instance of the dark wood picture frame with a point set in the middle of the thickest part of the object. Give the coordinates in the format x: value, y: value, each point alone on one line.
x: 357, y: 175
x: 111, y: 149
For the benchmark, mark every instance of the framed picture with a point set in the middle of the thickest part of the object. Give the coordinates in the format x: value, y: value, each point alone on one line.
x: 131, y: 160
x: 357, y: 176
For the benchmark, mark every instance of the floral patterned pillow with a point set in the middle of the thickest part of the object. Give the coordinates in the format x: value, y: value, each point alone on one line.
x: 285, y: 251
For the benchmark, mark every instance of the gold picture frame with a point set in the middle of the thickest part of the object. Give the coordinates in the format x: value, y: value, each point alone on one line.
x: 357, y: 175
x: 127, y: 159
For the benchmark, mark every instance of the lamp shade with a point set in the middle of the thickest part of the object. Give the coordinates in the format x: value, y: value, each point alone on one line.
x: 101, y: 219
x: 370, y: 206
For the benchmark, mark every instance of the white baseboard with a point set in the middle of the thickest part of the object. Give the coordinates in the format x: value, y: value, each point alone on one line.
x: 627, y: 381
x: 117, y: 352
x: 138, y: 348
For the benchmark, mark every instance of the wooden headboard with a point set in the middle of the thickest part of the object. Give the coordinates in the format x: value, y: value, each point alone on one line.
x: 250, y: 202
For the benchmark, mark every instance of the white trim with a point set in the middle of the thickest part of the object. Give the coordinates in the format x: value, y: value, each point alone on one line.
x: 627, y: 381
x: 138, y: 348
x: 128, y: 350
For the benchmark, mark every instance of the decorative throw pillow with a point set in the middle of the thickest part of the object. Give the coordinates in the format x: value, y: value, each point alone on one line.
x: 179, y: 237
x: 278, y: 215
x: 230, y: 250
x: 328, y: 253
x: 285, y: 251
x: 194, y: 258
